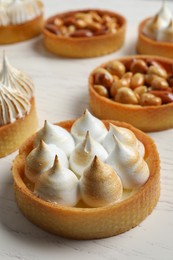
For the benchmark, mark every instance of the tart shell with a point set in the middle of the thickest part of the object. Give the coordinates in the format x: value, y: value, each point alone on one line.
x: 145, y: 45
x: 148, y: 118
x: 85, y: 47
x: 22, y: 32
x: 13, y: 135
x: 89, y: 223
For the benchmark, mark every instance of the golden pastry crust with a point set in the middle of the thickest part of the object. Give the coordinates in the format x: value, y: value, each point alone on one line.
x: 145, y: 45
x: 22, y: 32
x: 89, y: 223
x: 85, y: 47
x: 13, y: 135
x: 148, y: 118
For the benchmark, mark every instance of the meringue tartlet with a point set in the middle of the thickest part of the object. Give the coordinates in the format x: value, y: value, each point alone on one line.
x: 99, y: 203
x: 18, y: 119
x: 155, y: 34
x: 84, y: 33
x: 134, y: 89
x: 20, y: 20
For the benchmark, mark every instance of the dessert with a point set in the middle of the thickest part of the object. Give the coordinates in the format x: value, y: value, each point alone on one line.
x: 134, y: 89
x: 84, y: 33
x: 18, y: 118
x: 111, y: 195
x: 20, y: 20
x: 155, y: 34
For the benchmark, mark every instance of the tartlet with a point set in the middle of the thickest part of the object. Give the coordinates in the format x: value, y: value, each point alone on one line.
x: 83, y: 222
x: 12, y: 32
x: 148, y: 118
x: 18, y: 118
x: 155, y: 34
x: 89, y: 43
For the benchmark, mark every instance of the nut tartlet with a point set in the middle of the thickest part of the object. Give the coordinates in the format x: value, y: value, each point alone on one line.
x: 82, y: 221
x: 84, y: 33
x: 20, y: 20
x: 134, y: 89
x: 18, y: 119
x: 155, y: 34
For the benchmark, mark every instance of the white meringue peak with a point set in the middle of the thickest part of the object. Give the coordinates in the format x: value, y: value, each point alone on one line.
x: 129, y: 165
x: 87, y: 122
x: 53, y: 134
x: 84, y: 153
x: 157, y: 24
x: 41, y: 159
x: 166, y: 35
x: 100, y: 185
x: 15, y: 12
x: 58, y: 185
x: 13, y: 105
x: 15, y: 79
x: 125, y: 136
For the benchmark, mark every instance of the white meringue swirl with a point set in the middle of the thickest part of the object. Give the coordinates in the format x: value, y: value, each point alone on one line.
x: 13, y: 105
x: 15, y: 79
x: 53, y: 134
x: 87, y: 122
x: 125, y: 135
x: 84, y: 153
x: 129, y: 165
x: 19, y: 11
x: 157, y: 27
x: 41, y: 159
x: 58, y: 185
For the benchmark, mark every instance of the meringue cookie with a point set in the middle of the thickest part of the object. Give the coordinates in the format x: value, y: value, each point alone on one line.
x: 13, y: 105
x: 166, y: 35
x: 58, y: 185
x: 100, y: 185
x: 84, y: 153
x: 41, y: 159
x: 129, y: 165
x: 53, y: 134
x: 15, y: 79
x: 125, y: 135
x: 88, y: 123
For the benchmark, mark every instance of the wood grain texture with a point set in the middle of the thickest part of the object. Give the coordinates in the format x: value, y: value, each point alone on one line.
x: 61, y: 93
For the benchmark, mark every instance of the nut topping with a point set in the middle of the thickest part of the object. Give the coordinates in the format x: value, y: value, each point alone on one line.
x: 145, y: 83
x: 84, y: 24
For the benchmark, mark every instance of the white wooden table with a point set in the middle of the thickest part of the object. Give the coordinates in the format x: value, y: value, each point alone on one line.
x: 61, y: 92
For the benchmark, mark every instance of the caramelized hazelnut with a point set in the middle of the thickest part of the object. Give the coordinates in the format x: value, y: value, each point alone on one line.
x: 138, y: 66
x: 166, y: 96
x: 103, y: 77
x: 140, y: 90
x: 126, y: 96
x: 161, y: 72
x: 53, y: 29
x: 148, y: 99
x: 116, y: 68
x: 101, y: 90
x: 137, y: 80
x: 159, y: 83
x: 81, y: 33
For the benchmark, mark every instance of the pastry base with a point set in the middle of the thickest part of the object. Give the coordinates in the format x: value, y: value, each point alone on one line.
x: 89, y: 223
x: 86, y: 47
x: 21, y: 32
x: 13, y: 135
x: 146, y: 45
x: 148, y: 119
